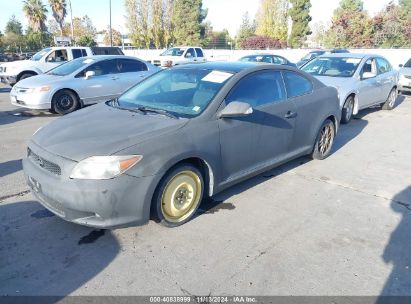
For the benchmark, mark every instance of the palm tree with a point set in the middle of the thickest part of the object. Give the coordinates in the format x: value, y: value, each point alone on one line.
x: 59, y: 8
x: 36, y: 14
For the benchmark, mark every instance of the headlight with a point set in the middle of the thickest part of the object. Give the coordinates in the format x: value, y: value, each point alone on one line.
x: 104, y: 167
x: 38, y: 90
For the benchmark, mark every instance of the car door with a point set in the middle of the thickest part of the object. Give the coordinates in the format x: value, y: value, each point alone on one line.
x: 132, y: 71
x: 369, y: 91
x: 200, y: 55
x: 100, y: 87
x: 386, y: 78
x: 240, y: 139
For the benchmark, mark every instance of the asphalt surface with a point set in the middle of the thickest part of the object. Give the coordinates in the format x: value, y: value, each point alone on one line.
x: 336, y: 227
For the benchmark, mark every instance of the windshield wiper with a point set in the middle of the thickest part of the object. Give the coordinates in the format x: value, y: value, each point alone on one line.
x: 158, y: 111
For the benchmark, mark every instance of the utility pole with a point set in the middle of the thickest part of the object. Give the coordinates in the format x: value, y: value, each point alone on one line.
x: 111, y: 32
x: 72, y: 25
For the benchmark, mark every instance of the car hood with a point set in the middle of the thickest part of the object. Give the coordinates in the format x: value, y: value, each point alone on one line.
x: 336, y: 81
x: 40, y: 80
x: 405, y: 71
x: 168, y: 58
x: 18, y: 64
x: 101, y: 130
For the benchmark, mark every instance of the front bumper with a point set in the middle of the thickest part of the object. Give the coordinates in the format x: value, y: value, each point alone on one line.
x: 34, y: 101
x: 124, y: 200
x: 404, y: 85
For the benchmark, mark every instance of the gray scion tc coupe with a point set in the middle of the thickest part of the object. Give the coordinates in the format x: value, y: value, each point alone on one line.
x: 178, y: 136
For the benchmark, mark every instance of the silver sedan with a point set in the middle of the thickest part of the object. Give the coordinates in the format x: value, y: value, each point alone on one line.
x: 362, y: 80
x: 80, y: 82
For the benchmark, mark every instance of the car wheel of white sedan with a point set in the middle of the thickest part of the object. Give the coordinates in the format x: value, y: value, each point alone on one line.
x: 347, y: 111
x: 64, y: 102
x: 390, y: 103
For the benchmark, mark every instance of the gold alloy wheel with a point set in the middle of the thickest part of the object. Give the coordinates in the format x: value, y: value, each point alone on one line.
x: 326, y: 139
x: 181, y: 196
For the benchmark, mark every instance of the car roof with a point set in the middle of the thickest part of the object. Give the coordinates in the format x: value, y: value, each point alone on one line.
x: 349, y: 55
x: 104, y: 57
x: 228, y: 66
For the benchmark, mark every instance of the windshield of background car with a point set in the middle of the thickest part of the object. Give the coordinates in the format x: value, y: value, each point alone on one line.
x: 408, y: 64
x: 39, y: 55
x: 182, y: 92
x: 70, y: 67
x: 173, y: 52
x: 312, y: 55
x: 332, y: 66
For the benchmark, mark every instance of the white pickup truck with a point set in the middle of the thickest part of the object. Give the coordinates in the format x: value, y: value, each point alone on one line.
x: 179, y: 55
x: 47, y: 59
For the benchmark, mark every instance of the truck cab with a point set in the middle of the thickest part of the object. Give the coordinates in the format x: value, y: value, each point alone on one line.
x: 179, y: 55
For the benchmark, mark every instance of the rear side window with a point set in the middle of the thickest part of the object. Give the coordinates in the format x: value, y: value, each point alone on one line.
x: 296, y: 84
x: 258, y: 89
x: 383, y: 66
x: 129, y: 65
x: 191, y: 51
x: 77, y: 53
x: 199, y: 52
x: 101, y: 68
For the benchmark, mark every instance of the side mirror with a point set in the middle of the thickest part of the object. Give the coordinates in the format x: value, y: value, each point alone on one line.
x: 368, y: 75
x: 50, y: 59
x: 401, y: 65
x: 90, y: 74
x: 236, y: 109
x: 188, y: 55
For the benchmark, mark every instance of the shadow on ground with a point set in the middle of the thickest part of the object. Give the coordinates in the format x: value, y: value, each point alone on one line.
x: 10, y: 117
x: 222, y: 200
x: 10, y: 167
x: 397, y: 251
x: 41, y: 254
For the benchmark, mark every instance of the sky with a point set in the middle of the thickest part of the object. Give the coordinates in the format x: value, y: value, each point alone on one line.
x: 221, y: 13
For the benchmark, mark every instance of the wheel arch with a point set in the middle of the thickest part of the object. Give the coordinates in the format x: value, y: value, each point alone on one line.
x: 356, y: 104
x: 32, y: 72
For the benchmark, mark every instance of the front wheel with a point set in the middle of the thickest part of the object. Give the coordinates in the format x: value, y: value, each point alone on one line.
x: 64, y: 102
x: 390, y: 103
x: 324, y: 141
x: 347, y: 111
x: 178, y: 196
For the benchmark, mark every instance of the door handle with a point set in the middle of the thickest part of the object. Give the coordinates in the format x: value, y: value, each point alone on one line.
x: 290, y: 115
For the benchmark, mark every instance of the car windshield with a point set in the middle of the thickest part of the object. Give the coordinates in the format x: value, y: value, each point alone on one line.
x: 332, y: 66
x: 39, y: 55
x: 174, y: 52
x: 408, y: 64
x: 257, y: 58
x: 70, y: 67
x: 181, y: 92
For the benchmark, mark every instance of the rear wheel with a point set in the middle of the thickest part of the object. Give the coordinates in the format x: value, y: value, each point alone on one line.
x: 64, y: 102
x: 178, y: 196
x: 390, y: 103
x: 324, y: 141
x: 347, y: 111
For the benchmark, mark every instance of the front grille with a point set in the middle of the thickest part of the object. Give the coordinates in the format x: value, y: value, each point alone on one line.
x: 157, y: 62
x: 43, y: 163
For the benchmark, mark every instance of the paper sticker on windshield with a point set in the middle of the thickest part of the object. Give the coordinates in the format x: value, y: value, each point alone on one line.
x: 196, y: 109
x: 217, y: 77
x: 87, y: 61
x: 353, y: 60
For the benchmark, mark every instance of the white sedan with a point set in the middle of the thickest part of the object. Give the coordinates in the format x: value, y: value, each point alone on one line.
x: 80, y: 82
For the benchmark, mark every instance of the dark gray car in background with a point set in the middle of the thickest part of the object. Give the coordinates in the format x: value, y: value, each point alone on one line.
x: 180, y: 135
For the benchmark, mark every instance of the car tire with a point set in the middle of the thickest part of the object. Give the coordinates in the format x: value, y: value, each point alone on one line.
x: 348, y: 109
x: 392, y: 98
x: 178, y: 196
x: 324, y: 141
x: 64, y: 102
x: 26, y: 75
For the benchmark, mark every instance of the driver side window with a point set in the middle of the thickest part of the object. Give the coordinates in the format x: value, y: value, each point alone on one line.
x: 370, y: 67
x: 57, y: 56
x: 190, y: 51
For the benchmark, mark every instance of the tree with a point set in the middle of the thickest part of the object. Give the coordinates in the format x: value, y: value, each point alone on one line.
x: 157, y: 30
x: 351, y: 26
x: 261, y: 43
x: 132, y: 22
x: 405, y: 6
x: 36, y: 40
x: 167, y: 22
x: 187, y: 19
x: 272, y: 19
x: 216, y: 40
x: 86, y: 40
x: 318, y: 34
x: 117, y: 39
x: 59, y: 9
x: 300, y: 15
x: 14, y: 26
x: 36, y: 14
x: 247, y: 29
